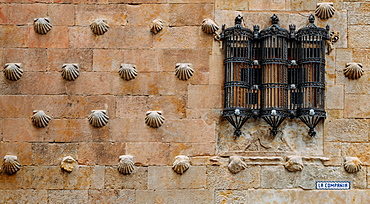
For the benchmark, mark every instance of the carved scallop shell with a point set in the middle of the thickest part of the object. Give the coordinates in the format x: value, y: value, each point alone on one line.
x: 126, y: 164
x: 209, y: 26
x: 127, y: 71
x: 99, y: 26
x: 68, y: 164
x: 156, y: 26
x: 325, y: 10
x: 184, y: 71
x: 13, y: 71
x: 181, y: 164
x: 353, y: 70
x: 154, y: 119
x: 236, y: 164
x: 40, y: 119
x: 294, y: 163
x: 98, y: 118
x: 352, y: 164
x: 42, y: 25
x: 11, y: 164
x: 70, y: 72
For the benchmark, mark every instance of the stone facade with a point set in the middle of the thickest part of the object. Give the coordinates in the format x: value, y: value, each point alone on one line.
x: 192, y: 108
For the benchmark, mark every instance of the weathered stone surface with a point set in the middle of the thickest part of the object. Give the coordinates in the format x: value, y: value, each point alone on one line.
x: 315, y: 196
x: 272, y: 196
x: 148, y: 13
x: 57, y: 37
x: 269, y: 4
x: 89, y: 83
x: 164, y: 178
x: 68, y: 196
x: 357, y: 86
x: 231, y: 5
x: 67, y: 11
x: 16, y: 36
x: 25, y: 131
x: 356, y: 36
x: 347, y: 130
x: 359, y: 150
x: 52, y: 153
x: 101, y: 153
x: 137, y: 180
x: 358, y: 196
x: 29, y: 12
x: 332, y: 149
x: 137, y: 36
x: 192, y: 149
x: 23, y: 150
x: 23, y: 196
x: 198, y: 57
x: 4, y: 14
x: 219, y: 177
x: 31, y: 59
x: 335, y: 97
x: 190, y: 14
x: 175, y: 196
x: 112, y: 196
x: 197, y: 99
x: 231, y: 196
x: 114, y: 14
x: 57, y: 57
x: 359, y: 107
x: 149, y: 153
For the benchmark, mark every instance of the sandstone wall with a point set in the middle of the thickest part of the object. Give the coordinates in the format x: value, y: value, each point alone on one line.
x: 193, y: 125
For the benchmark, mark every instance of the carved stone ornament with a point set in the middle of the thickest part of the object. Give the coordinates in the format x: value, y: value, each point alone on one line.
x: 68, y: 164
x: 42, y: 25
x: 352, y: 164
x: 236, y: 164
x: 70, y: 72
x: 13, y: 71
x: 98, y: 118
x: 99, y: 26
x: 184, y: 71
x: 154, y: 119
x: 181, y: 164
x: 333, y: 38
x: 156, y: 26
x: 126, y: 164
x: 325, y: 10
x: 40, y: 119
x: 353, y: 70
x: 127, y: 71
x: 294, y: 163
x: 11, y: 164
x: 209, y: 26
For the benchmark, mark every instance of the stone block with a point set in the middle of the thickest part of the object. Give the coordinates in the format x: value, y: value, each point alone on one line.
x: 347, y: 130
x: 137, y: 36
x: 42, y: 177
x: 33, y: 83
x: 277, y: 177
x: 53, y: 153
x: 148, y: 13
x: 302, y: 5
x: 217, y: 71
x: 137, y: 180
x: 23, y: 196
x: 197, y: 99
x: 190, y: 1
x: 108, y: 60
x: 57, y: 37
x: 115, y: 14
x: 137, y: 1
x: 57, y: 57
x: 272, y: 196
x: 89, y: 83
x: 358, y: 108
x: 16, y: 36
x: 22, y: 130
x: 62, y: 14
x: 334, y: 114
x: 4, y: 14
x: 149, y: 153
x: 175, y: 196
x: 190, y: 14
x: 68, y: 196
x: 23, y: 150
x: 192, y: 149
x: 360, y: 56
x: 164, y: 178
x: 356, y: 36
x: 111, y: 196
x: 359, y: 150
x: 23, y: 14
x: 146, y: 60
x: 71, y: 130
x: 358, y: 196
x: 358, y: 86
x: 81, y: 178
x: 343, y: 56
x: 231, y: 196
x: 209, y: 116
x: 332, y: 149
x: 12, y: 182
x: 260, y: 5
x: 13, y: 106
x: 231, y: 5
x: 335, y: 97
x: 98, y: 177
x: 358, y: 12
x: 100, y: 153
x: 322, y: 196
x: 219, y: 177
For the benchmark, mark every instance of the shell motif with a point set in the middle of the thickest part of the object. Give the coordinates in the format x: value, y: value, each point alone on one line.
x: 70, y: 72
x: 154, y: 119
x: 352, y: 164
x: 40, y: 119
x: 98, y: 118
x: 325, y: 10
x: 236, y: 164
x: 294, y: 163
x: 127, y: 71
x: 42, y: 25
x: 11, y: 164
x: 209, y: 26
x: 68, y: 164
x: 126, y: 164
x: 181, y: 164
x: 13, y: 71
x: 99, y: 26
x: 156, y: 26
x: 184, y: 71
x: 353, y: 70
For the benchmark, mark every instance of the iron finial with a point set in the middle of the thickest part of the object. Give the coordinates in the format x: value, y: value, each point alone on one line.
x: 311, y: 19
x: 238, y: 20
x: 274, y: 19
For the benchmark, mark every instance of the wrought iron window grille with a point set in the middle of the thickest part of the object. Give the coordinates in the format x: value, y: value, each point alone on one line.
x: 274, y: 74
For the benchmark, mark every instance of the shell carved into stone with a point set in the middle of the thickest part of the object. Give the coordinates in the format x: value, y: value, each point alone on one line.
x: 13, y: 71
x: 236, y: 164
x: 156, y: 26
x: 11, y: 164
x: 181, y: 164
x: 126, y: 164
x: 209, y: 26
x: 127, y: 71
x: 325, y: 10
x: 98, y: 118
x: 353, y: 70
x: 42, y: 25
x: 40, y: 119
x: 294, y: 163
x: 68, y: 164
x: 99, y: 26
x: 184, y: 71
x: 352, y: 164
x: 70, y: 72
x: 154, y: 119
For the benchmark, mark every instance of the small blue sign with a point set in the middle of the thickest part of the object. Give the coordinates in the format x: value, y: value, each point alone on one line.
x: 333, y: 185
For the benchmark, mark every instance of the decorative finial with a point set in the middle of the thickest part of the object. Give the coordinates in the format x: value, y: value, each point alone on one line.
x: 311, y: 19
x: 238, y: 20
x: 274, y: 19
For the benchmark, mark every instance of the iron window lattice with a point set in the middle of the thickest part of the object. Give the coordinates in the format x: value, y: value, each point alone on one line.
x: 274, y: 74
